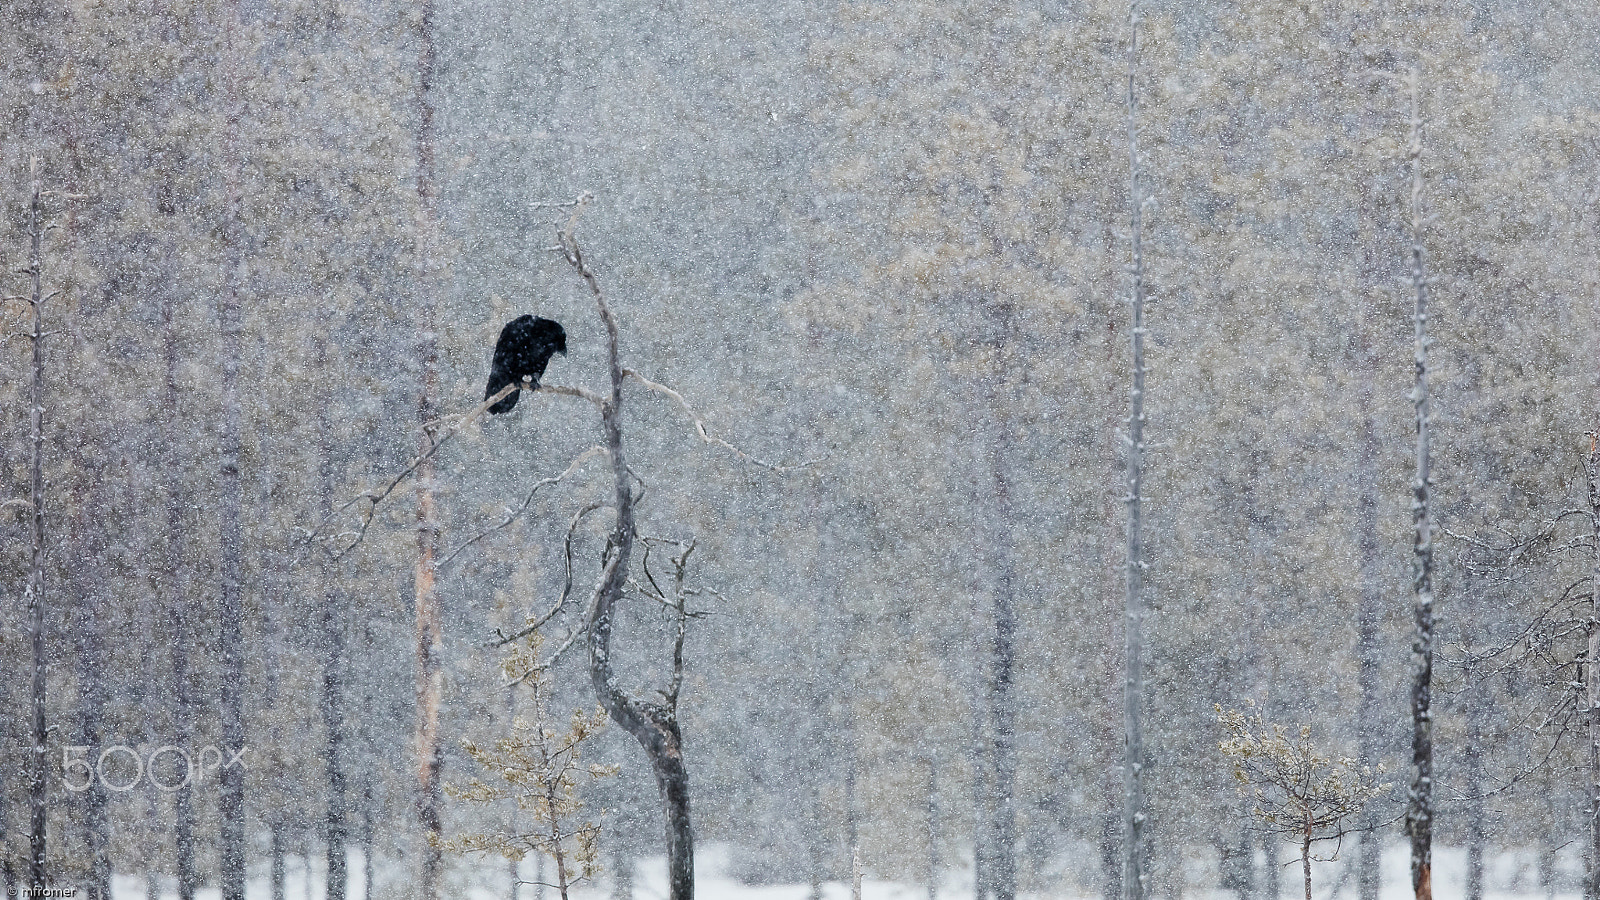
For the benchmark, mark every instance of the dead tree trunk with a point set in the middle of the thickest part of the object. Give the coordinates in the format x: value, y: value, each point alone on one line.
x: 1419, y: 807
x: 653, y: 725
x: 1133, y: 876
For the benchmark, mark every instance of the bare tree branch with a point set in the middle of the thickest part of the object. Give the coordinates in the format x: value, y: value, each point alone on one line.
x: 566, y: 587
x: 513, y: 514
x: 707, y: 437
x: 378, y: 495
x: 375, y: 497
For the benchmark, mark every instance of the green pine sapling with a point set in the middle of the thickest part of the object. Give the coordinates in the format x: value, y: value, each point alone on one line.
x: 1296, y: 790
x: 541, y: 770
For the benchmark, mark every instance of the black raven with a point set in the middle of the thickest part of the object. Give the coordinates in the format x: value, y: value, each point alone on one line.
x: 524, y: 349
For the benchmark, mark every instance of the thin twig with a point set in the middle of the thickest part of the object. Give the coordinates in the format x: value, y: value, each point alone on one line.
x: 707, y: 437
x: 513, y: 514
x: 566, y: 588
x: 376, y: 497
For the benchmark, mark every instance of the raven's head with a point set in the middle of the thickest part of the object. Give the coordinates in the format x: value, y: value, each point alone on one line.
x: 553, y: 334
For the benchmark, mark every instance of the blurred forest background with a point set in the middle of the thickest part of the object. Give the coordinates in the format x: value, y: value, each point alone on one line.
x: 888, y: 239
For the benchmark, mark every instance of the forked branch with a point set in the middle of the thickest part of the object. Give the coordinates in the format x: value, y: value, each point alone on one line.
x: 376, y: 496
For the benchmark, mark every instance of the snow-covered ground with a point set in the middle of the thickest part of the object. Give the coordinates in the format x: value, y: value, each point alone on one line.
x: 1509, y: 875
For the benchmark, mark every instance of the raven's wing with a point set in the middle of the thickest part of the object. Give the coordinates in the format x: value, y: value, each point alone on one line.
x: 506, y: 367
x: 539, y: 357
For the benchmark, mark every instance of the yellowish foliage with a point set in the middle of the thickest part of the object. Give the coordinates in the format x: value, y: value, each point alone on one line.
x: 1296, y: 788
x: 540, y: 769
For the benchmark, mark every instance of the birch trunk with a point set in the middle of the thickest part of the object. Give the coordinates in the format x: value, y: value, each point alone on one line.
x: 1305, y: 858
x: 1419, y: 808
x: 1133, y: 876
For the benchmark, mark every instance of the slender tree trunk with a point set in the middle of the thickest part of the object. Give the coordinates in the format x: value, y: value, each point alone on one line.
x: 178, y: 586
x: 430, y: 754
x: 556, y: 850
x: 980, y: 749
x: 1274, y: 868
x: 1371, y: 731
x: 933, y: 828
x: 1547, y: 868
x: 1245, y: 854
x: 230, y: 539
x: 852, y: 821
x: 1305, y: 859
x: 1419, y: 808
x: 814, y: 849
x: 1474, y: 789
x: 1133, y: 878
x: 1002, y: 643
x: 333, y: 718
x: 35, y: 590
x: 1375, y: 733
x: 90, y: 666
x: 653, y: 725
x: 8, y: 871
x: 1592, y: 675
x: 855, y: 873
x: 1368, y: 615
x: 277, y: 861
x: 366, y: 843
x: 333, y: 662
x: 1110, y: 855
x: 622, y: 877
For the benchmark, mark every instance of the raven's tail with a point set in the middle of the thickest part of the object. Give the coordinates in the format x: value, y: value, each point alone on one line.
x: 497, y: 381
